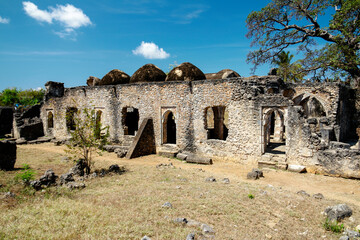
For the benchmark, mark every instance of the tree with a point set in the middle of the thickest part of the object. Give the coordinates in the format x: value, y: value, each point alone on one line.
x: 86, y: 138
x: 286, y: 23
x: 287, y: 70
x: 23, y: 98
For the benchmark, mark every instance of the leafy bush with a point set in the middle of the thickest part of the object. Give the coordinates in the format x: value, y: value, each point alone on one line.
x: 26, y: 174
x: 333, y: 226
x: 251, y: 196
x: 21, y: 98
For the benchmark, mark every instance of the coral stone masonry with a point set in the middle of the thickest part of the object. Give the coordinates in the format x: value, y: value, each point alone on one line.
x: 257, y: 119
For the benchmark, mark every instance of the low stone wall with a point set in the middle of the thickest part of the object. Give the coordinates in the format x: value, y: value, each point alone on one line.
x: 338, y: 163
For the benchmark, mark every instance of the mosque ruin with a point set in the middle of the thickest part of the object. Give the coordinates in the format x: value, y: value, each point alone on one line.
x: 256, y: 119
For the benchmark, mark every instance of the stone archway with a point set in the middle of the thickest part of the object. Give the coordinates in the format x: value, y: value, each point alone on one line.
x: 169, y: 128
x: 273, y: 132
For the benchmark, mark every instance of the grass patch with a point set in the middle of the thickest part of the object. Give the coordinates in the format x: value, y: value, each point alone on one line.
x: 333, y: 226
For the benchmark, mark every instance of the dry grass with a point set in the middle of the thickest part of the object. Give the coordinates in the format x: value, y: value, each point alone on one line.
x: 128, y: 206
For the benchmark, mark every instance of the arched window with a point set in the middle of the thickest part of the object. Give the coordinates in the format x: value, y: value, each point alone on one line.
x: 50, y: 120
x: 169, y: 128
x: 70, y: 118
x: 216, y: 119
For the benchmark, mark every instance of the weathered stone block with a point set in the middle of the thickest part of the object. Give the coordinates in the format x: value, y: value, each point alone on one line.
x: 144, y: 142
x: 7, y: 155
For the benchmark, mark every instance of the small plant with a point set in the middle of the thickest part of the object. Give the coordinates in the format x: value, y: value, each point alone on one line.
x: 26, y: 174
x: 333, y: 226
x: 251, y: 196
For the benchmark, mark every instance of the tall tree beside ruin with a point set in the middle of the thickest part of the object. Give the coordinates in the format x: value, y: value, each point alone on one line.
x: 290, y: 72
x: 86, y: 137
x: 287, y: 23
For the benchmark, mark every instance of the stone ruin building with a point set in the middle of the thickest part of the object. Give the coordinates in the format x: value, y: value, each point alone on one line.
x: 256, y: 119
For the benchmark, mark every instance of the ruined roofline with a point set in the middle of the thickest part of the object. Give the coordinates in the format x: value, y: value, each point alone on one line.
x: 253, y: 79
x: 181, y: 82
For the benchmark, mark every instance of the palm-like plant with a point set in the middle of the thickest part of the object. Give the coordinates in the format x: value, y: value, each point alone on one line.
x: 287, y: 70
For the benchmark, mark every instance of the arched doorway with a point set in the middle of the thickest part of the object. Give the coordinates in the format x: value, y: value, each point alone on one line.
x: 274, y: 131
x: 169, y: 128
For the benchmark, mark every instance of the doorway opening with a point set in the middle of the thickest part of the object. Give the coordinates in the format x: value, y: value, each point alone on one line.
x: 169, y: 128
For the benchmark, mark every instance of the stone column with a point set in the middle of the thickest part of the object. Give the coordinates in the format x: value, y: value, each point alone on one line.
x: 278, y: 128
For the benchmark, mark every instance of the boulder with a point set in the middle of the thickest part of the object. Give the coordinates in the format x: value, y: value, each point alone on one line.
x: 115, y: 169
x: 318, y: 196
x: 185, y: 72
x: 190, y: 236
x: 67, y: 177
x: 338, y: 212
x: 255, y: 174
x: 148, y: 73
x: 75, y: 185
x: 114, y: 77
x: 120, y: 152
x: 210, y: 179
x: 223, y: 74
x: 78, y: 169
x: 48, y: 179
x: 7, y: 155
x: 303, y: 193
x: 206, y: 229
x: 167, y: 205
x: 226, y: 181
x: 92, y: 81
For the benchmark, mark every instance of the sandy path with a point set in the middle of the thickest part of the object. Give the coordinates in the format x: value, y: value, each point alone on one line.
x: 342, y: 190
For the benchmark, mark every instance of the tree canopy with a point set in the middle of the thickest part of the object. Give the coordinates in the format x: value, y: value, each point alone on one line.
x: 287, y: 23
x: 21, y: 98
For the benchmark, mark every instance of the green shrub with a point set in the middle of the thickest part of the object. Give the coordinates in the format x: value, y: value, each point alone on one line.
x: 333, y: 226
x: 26, y: 174
x: 251, y: 196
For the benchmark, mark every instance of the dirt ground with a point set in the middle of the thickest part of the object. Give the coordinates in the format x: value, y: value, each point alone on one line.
x: 344, y: 190
x: 129, y: 206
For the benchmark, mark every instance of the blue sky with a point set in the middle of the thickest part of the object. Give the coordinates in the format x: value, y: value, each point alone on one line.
x: 68, y: 41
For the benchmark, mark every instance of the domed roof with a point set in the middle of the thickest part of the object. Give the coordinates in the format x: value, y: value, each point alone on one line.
x: 223, y: 74
x: 185, y: 71
x: 148, y: 73
x: 115, y: 77
x: 92, y: 81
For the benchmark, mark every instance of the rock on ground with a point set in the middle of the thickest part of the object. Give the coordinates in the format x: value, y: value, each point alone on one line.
x: 338, y: 212
x: 255, y: 174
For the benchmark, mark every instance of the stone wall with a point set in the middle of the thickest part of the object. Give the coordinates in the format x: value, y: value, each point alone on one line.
x: 309, y: 113
x: 6, y: 120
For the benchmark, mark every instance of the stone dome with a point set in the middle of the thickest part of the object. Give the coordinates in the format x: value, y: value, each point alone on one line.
x: 186, y: 72
x: 148, y: 73
x: 223, y: 74
x: 92, y: 81
x: 115, y: 77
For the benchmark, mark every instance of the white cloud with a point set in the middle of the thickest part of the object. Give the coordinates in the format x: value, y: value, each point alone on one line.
x: 33, y: 11
x: 67, y: 15
x: 150, y: 50
x: 4, y: 20
x: 70, y: 16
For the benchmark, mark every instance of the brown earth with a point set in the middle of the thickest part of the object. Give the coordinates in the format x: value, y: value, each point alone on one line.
x: 128, y: 206
x: 345, y: 190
